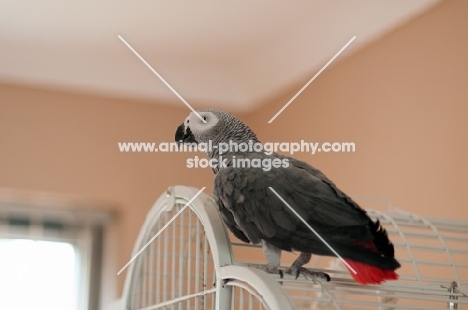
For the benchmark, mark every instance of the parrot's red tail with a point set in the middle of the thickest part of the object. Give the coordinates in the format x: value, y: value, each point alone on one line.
x: 383, y: 256
x: 366, y: 274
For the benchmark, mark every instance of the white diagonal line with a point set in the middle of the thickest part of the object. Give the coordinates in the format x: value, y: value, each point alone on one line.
x: 311, y: 80
x: 313, y: 230
x: 161, y: 78
x: 174, y: 301
x: 161, y: 230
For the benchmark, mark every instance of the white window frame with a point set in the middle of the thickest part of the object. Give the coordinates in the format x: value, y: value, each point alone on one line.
x: 87, y: 231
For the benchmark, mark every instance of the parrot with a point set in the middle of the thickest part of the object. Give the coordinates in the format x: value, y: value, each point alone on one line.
x: 250, y: 209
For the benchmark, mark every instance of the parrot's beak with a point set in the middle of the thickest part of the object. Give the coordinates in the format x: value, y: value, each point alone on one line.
x: 184, y: 135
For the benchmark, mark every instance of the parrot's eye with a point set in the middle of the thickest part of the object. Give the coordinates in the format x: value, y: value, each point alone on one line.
x: 204, y: 118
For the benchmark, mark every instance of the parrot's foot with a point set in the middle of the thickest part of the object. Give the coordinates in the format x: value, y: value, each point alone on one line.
x: 308, y: 274
x: 268, y: 269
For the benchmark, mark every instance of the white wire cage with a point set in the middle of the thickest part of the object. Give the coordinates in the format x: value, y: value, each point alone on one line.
x: 196, y: 264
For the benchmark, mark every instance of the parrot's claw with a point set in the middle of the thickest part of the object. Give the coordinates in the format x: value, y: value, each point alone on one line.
x: 281, y: 273
x: 308, y: 274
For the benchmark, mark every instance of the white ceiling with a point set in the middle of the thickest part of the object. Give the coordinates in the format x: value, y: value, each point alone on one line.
x: 224, y: 53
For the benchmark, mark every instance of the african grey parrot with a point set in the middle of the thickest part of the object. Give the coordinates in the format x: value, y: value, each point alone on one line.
x: 253, y: 212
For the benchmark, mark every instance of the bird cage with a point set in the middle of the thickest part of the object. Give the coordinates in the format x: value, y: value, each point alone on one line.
x: 184, y: 258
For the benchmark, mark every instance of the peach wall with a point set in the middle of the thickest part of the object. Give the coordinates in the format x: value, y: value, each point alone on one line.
x: 66, y: 144
x: 404, y: 101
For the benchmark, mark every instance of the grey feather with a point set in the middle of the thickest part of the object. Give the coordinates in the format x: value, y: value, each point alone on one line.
x: 253, y: 213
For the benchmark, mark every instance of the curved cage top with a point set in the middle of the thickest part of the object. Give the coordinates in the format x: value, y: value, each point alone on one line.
x: 188, y: 260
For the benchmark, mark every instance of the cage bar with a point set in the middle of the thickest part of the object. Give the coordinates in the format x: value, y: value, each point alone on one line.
x: 194, y: 264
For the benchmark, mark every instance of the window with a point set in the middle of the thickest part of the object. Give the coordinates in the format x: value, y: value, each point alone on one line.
x: 50, y: 259
x: 37, y: 275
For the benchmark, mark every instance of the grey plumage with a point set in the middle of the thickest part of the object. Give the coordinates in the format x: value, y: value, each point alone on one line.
x: 253, y: 212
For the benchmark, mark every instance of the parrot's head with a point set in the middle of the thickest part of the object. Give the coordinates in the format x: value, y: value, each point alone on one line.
x: 217, y: 126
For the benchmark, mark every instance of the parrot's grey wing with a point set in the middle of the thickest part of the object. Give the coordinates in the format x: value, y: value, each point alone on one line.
x: 228, y: 219
x: 260, y: 214
x: 309, y: 191
x: 233, y: 193
x: 314, y: 171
